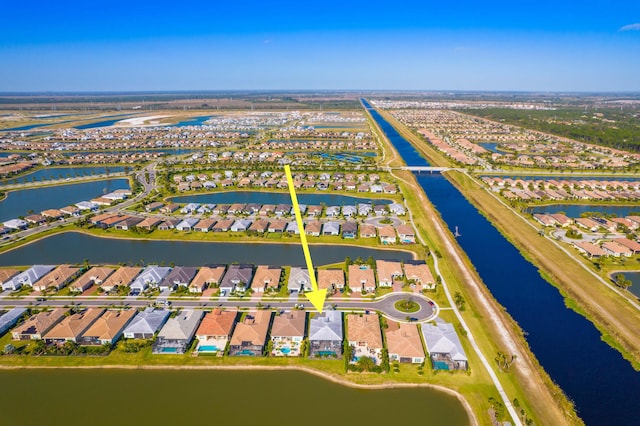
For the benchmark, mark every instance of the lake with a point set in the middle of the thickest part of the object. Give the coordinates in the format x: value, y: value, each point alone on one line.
x: 18, y: 203
x: 195, y: 121
x: 53, y: 173
x: 75, y: 247
x: 634, y: 276
x: 275, y: 198
x: 575, y: 210
x: 144, y: 397
x: 603, y: 385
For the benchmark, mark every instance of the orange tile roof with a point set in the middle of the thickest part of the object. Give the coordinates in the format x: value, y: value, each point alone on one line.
x: 110, y: 324
x: 266, y: 276
x: 404, y: 339
x: 328, y: 277
x: 253, y: 329
x: 364, y: 328
x: 73, y: 326
x: 217, y: 323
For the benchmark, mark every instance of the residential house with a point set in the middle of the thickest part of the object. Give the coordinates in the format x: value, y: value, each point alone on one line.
x: 39, y: 324
x: 237, y: 278
x: 349, y: 229
x: 58, y: 278
x: 387, y: 234
x: 292, y: 228
x: 71, y: 211
x: 283, y: 209
x: 223, y: 225
x: 299, y: 280
x: 444, y: 346
x: 176, y: 335
x: 250, y: 335
x: 590, y: 249
x: 259, y: 226
x: 349, y: 211
x: 204, y: 225
x: 314, y: 211
x: 179, y: 276
x: 151, y: 276
x: 278, y: 225
x: 52, y: 214
x: 153, y: 206
x: 214, y: 331
x: 9, y: 318
x: 29, y: 277
x: 364, y: 336
x: 388, y: 271
x: 364, y: 209
x: 380, y: 210
x: 149, y: 223
x: 128, y: 222
x: 71, y: 328
x: 206, y: 277
x: 326, y: 334
x: 404, y: 343
x: 16, y: 224
x: 169, y: 208
x: 313, y: 228
x: 616, y: 249
x: 123, y: 277
x: 332, y: 211
x: 406, y: 234
x: 632, y: 245
x: 361, y: 278
x: 397, y: 209
x: 331, y: 279
x: 6, y: 275
x: 146, y: 324
x: 419, y: 272
x: 287, y: 333
x: 367, y: 231
x: 107, y: 329
x: 95, y: 275
x: 240, y: 225
x: 187, y: 224
x: 266, y: 278
x: 168, y: 224
x: 331, y: 228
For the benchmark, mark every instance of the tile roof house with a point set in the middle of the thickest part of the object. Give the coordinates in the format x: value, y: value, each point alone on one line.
x: 331, y: 279
x: 204, y: 225
x: 397, y: 209
x: 418, y: 271
x: 206, y: 277
x: 326, y: 334
x: 367, y: 231
x: 313, y: 228
x: 7, y: 274
x: 177, y: 333
x: 108, y: 328
x: 348, y: 211
x: 179, y: 276
x: 387, y: 234
x: 444, y: 346
x: 388, y: 271
x: 149, y: 223
x: 278, y: 225
x: 331, y: 228
x: 250, y: 335
x: 266, y: 278
x: 146, y: 323
x: 259, y: 226
x: 57, y: 278
x: 151, y: 276
x: 187, y: 224
x: 361, y: 278
x: 404, y: 343
x: 287, y: 333
x: 364, y: 336
x: 95, y: 275
x: 29, y: 277
x: 37, y: 325
x: 292, y: 228
x: 299, y: 280
x: 240, y: 225
x: 123, y: 277
x: 223, y: 225
x: 349, y: 229
x: 215, y: 330
x: 10, y: 318
x: 406, y: 234
x: 71, y: 328
x: 238, y: 277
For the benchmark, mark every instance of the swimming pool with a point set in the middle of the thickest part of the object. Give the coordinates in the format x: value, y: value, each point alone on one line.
x: 169, y: 350
x: 440, y: 365
x: 208, y: 348
x: 285, y: 350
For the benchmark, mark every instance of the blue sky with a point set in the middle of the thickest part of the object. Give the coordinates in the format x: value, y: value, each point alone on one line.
x: 465, y: 45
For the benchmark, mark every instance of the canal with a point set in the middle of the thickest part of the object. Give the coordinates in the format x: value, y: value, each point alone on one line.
x: 602, y: 384
x: 247, y: 197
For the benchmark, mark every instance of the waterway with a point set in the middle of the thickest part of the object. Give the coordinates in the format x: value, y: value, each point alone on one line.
x: 276, y: 198
x: 603, y: 385
x: 53, y: 173
x: 153, y: 398
x: 195, y: 121
x: 576, y: 210
x: 74, y: 247
x: 18, y: 203
x: 634, y: 276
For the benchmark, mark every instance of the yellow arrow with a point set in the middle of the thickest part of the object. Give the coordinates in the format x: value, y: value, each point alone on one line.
x: 316, y: 297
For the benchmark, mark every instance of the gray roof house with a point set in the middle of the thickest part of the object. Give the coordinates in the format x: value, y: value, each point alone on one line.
x: 10, y: 318
x: 397, y: 209
x: 152, y: 275
x: 444, y: 346
x: 326, y: 335
x: 187, y: 224
x: 236, y: 276
x: 180, y: 275
x: 364, y: 209
x: 146, y: 323
x: 177, y: 333
x: 331, y: 228
x: 349, y: 229
x: 240, y: 225
x: 299, y: 280
x: 28, y: 277
x: 292, y: 228
x: 332, y: 211
x: 348, y: 211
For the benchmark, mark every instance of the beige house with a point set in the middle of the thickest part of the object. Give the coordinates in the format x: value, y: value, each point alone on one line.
x: 388, y: 271
x: 57, y: 278
x: 108, y: 328
x: 287, y: 333
x: 266, y: 278
x: 420, y: 273
x: 361, y: 278
x: 331, y: 279
x: 404, y: 343
x: 215, y: 330
x: 37, y: 325
x: 206, y: 277
x: 364, y: 336
x: 94, y: 276
x: 71, y: 328
x: 123, y: 277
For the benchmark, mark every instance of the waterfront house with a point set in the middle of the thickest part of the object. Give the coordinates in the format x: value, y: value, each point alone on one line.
x: 444, y: 346
x: 206, y: 277
x: 406, y: 234
x: 6, y: 275
x: 176, y: 335
x: 632, y: 245
x: 367, y: 231
x: 364, y: 336
x: 361, y: 278
x: 107, y: 329
x: 187, y: 224
x: 419, y: 272
x: 128, y: 222
x: 179, y: 276
x: 260, y: 226
x: 168, y: 224
x: 220, y: 209
x: 240, y: 225
x: 169, y: 208
x: 153, y: 206
x: 380, y: 210
x: 348, y: 211
x: 214, y: 331
x: 37, y: 325
x: 283, y: 209
x: 299, y: 280
x: 387, y: 234
x: 287, y: 333
x: 123, y: 277
x: 95, y: 275
x: 364, y: 209
x: 151, y: 276
x: 149, y: 223
x: 204, y: 225
x: 52, y: 214
x: 349, y: 229
x: 397, y: 209
x: 71, y: 328
x: 250, y: 335
x: 236, y: 208
x: 278, y: 226
x: 313, y: 228
x: 16, y: 224
x: 332, y: 211
x: 237, y: 278
x: 29, y: 277
x: 616, y: 249
x: 266, y: 278
x: 314, y: 211
x: 36, y: 219
x: 146, y: 324
x: 9, y: 318
x: 292, y: 228
x: 267, y: 209
x: 71, y: 211
x: 590, y: 249
x: 388, y: 271
x: 331, y: 228
x: 326, y: 334
x: 189, y: 208
x: 331, y: 279
x: 403, y: 343
x: 223, y: 225
x: 87, y: 205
